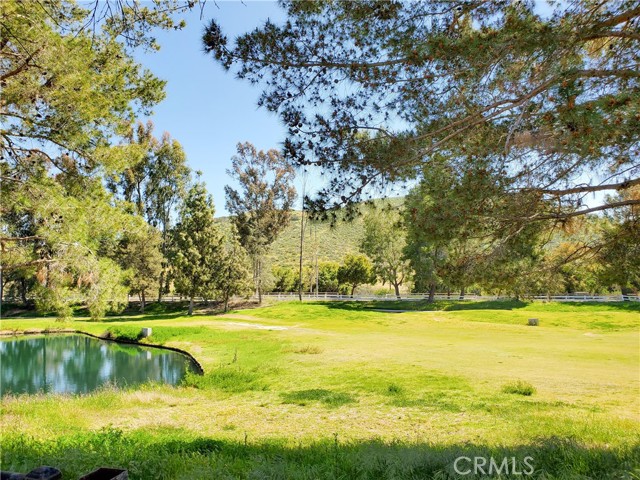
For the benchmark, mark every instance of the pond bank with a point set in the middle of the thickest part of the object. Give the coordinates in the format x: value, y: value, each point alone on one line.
x: 48, y: 331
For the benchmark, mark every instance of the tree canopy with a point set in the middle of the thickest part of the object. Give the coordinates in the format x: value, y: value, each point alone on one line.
x: 71, y: 90
x: 262, y: 205
x: 534, y: 109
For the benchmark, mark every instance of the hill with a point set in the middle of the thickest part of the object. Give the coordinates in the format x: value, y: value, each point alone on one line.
x: 331, y: 242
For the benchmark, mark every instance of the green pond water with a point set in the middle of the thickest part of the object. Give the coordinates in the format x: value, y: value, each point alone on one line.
x: 79, y: 364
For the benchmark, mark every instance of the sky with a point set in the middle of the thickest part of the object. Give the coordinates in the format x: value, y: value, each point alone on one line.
x: 206, y: 109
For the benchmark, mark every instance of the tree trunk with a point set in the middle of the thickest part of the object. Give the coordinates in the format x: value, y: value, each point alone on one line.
x: 161, y: 287
x: 396, y: 287
x: 259, y: 281
x: 353, y: 289
x: 142, y: 301
x: 462, y: 293
x: 226, y: 303
x: 301, y: 250
x: 191, y: 305
x: 432, y: 293
x: 23, y: 290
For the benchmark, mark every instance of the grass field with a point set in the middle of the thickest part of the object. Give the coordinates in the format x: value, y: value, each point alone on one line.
x: 341, y: 390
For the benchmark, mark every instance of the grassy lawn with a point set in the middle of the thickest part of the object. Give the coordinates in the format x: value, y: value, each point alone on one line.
x: 341, y: 390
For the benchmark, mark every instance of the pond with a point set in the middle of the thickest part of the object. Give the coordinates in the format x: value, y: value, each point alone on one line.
x: 80, y: 364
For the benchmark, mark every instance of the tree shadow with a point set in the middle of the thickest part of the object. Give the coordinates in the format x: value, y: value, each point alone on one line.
x: 628, y: 306
x: 176, y: 453
x: 141, y: 317
x: 426, y: 306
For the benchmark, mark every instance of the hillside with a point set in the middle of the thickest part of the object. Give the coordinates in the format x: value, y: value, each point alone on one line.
x: 331, y: 242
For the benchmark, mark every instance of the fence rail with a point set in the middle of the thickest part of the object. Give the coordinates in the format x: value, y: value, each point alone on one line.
x: 331, y: 296
x: 328, y: 296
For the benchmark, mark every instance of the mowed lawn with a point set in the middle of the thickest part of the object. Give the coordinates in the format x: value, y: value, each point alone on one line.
x: 340, y: 390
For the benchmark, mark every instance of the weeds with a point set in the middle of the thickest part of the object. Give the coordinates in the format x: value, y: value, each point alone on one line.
x: 309, y: 349
x: 519, y: 387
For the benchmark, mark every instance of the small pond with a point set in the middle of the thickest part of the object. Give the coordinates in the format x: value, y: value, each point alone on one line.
x: 81, y: 364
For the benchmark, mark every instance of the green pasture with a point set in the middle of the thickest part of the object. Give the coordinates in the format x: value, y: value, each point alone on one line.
x: 344, y: 390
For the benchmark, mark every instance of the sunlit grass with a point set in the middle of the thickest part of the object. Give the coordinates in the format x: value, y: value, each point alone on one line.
x: 427, y: 380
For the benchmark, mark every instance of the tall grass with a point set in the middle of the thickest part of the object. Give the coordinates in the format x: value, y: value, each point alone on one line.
x: 173, y: 454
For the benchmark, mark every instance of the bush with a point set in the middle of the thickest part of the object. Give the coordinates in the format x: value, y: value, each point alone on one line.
x: 519, y: 387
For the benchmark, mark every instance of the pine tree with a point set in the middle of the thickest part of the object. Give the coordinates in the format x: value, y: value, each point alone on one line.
x: 196, y: 246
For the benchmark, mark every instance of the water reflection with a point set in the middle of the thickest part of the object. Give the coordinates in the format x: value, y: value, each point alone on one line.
x: 80, y: 364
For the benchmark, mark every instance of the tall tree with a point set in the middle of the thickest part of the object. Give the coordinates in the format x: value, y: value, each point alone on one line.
x: 384, y: 242
x: 232, y: 274
x: 261, y: 207
x: 196, y: 246
x: 356, y: 270
x: 620, y: 257
x: 155, y: 184
x: 542, y: 101
x: 140, y: 253
x: 70, y: 90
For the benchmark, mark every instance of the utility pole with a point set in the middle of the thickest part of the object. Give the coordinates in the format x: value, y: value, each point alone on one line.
x: 304, y: 184
x: 315, y: 231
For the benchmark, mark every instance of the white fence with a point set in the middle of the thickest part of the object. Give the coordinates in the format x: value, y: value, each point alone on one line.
x: 330, y: 296
x: 444, y: 296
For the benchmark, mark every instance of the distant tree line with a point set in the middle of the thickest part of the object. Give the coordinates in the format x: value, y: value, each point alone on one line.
x: 96, y: 207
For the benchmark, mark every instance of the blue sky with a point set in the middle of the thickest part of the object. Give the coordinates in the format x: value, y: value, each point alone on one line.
x: 208, y: 110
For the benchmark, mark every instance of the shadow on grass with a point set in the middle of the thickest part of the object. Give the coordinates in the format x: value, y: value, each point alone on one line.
x: 319, y: 395
x: 168, y: 453
x: 142, y: 317
x: 628, y: 306
x: 425, y: 305
x: 453, y: 305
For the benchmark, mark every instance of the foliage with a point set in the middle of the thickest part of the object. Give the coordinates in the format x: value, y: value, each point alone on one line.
x: 139, y: 252
x: 285, y: 279
x: 154, y: 185
x: 355, y: 270
x: 519, y: 387
x: 620, y: 257
x: 261, y: 208
x: 196, y: 246
x: 522, y: 103
x: 69, y: 94
x: 231, y: 269
x: 328, y: 276
x: 384, y: 243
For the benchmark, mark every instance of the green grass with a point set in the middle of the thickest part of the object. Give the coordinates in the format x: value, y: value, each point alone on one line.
x: 519, y: 387
x: 348, y: 392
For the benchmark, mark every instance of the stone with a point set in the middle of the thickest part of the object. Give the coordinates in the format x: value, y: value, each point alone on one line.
x: 533, y: 322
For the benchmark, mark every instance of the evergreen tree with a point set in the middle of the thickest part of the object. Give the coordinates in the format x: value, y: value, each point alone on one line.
x: 195, y: 250
x: 140, y: 254
x: 70, y: 91
x: 525, y: 104
x: 232, y: 274
x: 154, y: 185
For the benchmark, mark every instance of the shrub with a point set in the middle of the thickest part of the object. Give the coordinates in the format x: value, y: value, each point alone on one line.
x: 519, y: 387
x: 309, y: 349
x: 395, y: 389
